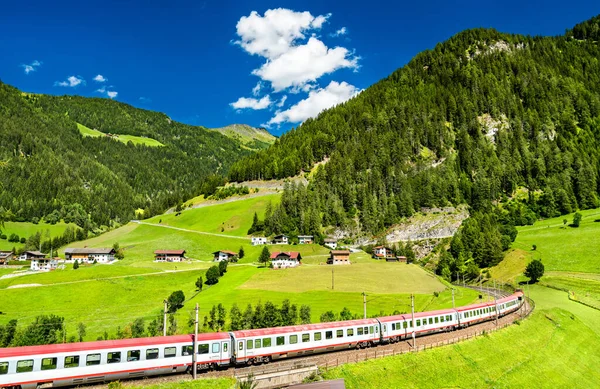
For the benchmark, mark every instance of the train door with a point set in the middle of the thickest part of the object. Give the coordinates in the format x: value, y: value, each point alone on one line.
x: 239, y: 353
x: 225, y: 352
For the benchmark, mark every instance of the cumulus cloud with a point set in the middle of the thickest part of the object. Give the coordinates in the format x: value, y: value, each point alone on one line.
x: 32, y: 67
x: 71, y: 82
x: 318, y: 100
x: 256, y: 89
x: 340, y: 32
x: 281, y: 102
x: 112, y: 94
x: 109, y: 93
x: 251, y: 103
x: 100, y: 78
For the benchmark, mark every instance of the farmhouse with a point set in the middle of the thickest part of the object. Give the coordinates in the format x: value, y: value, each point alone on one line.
x: 29, y: 255
x: 382, y: 252
x: 331, y: 243
x: 5, y: 256
x: 44, y: 264
x: 280, y: 239
x: 258, y: 240
x: 305, y: 239
x: 169, y: 256
x: 89, y: 255
x: 339, y: 257
x: 282, y: 260
x: 224, y: 255
x: 399, y: 258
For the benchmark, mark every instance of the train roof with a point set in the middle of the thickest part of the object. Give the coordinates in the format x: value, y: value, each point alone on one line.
x: 408, y: 316
x: 509, y: 298
x: 475, y: 306
x: 107, y: 344
x: 301, y: 328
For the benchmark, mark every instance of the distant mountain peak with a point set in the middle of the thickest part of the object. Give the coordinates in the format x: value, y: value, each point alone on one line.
x: 251, y: 137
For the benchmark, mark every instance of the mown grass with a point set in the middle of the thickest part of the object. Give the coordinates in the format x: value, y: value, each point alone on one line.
x: 202, y: 383
x: 137, y: 140
x: 26, y: 229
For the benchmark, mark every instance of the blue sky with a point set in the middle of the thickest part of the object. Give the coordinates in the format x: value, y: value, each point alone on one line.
x: 200, y: 61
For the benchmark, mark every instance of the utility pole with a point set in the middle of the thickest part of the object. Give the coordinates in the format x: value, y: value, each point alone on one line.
x: 453, y: 306
x: 496, y: 302
x: 412, y: 309
x: 364, y: 305
x: 165, y: 319
x: 332, y: 277
x: 195, y: 351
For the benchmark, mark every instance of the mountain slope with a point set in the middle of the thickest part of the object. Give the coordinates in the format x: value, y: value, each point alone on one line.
x: 49, y: 168
x: 253, y: 138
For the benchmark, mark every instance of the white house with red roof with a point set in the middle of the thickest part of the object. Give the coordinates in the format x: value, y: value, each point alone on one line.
x: 282, y: 260
x: 382, y: 252
x: 224, y: 255
x: 169, y: 256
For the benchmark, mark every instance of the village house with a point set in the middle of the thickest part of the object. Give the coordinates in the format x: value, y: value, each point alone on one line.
x: 89, y: 255
x: 331, y: 243
x: 399, y: 258
x: 305, y: 239
x: 29, y: 255
x: 339, y: 257
x: 281, y: 260
x: 224, y: 255
x: 258, y: 240
x: 382, y: 252
x: 5, y: 256
x: 169, y: 256
x: 44, y: 264
x: 280, y: 239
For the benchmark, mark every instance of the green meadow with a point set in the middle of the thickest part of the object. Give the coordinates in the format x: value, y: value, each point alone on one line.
x: 136, y: 140
x: 26, y: 229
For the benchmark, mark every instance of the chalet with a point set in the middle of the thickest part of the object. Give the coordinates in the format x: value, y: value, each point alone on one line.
x: 5, y: 256
x: 89, y: 255
x: 44, y: 264
x: 331, y: 243
x: 339, y: 257
x: 281, y: 239
x: 382, y: 252
x: 258, y: 240
x: 169, y: 256
x: 399, y: 258
x: 224, y: 255
x: 281, y: 260
x: 29, y: 255
x: 305, y: 239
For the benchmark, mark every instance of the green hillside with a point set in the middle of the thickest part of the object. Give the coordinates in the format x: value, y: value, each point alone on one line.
x: 136, y: 140
x: 252, y: 138
x: 25, y: 230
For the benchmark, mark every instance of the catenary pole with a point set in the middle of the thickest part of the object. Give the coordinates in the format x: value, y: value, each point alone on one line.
x: 412, y: 309
x: 364, y: 305
x: 195, y: 350
x: 453, y: 306
x: 165, y: 319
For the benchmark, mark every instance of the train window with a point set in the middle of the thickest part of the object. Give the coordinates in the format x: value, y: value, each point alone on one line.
x: 113, y: 357
x: 405, y: 325
x: 359, y: 331
x: 305, y: 338
x: 3, y: 367
x: 240, y: 346
x: 418, y: 322
x: 442, y: 319
x: 293, y: 339
x: 216, y: 347
x: 393, y: 326
x: 350, y: 332
x: 25, y: 366
x: 92, y: 359
x: 187, y: 350
x: 72, y: 361
x: 225, y: 347
x: 431, y: 320
x: 280, y: 340
x: 339, y: 333
x: 266, y: 342
x: 437, y: 319
x: 152, y: 353
x: 249, y: 344
x: 133, y: 355
x: 256, y: 343
x: 328, y: 334
x: 170, y: 352
x: 371, y: 330
x: 448, y: 318
x: 48, y: 363
x: 376, y: 329
x: 317, y: 336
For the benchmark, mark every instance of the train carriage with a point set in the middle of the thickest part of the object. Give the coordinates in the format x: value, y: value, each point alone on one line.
x: 476, y: 313
x: 510, y: 304
x: 398, y: 327
x: 94, y: 362
x: 264, y: 345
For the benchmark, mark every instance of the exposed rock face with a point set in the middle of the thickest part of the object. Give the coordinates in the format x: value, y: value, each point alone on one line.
x: 491, y: 126
x: 431, y: 223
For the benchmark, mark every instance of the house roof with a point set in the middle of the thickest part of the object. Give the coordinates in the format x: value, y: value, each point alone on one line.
x: 226, y: 252
x: 330, y: 240
x: 340, y: 252
x: 280, y: 236
x: 5, y: 254
x: 305, y: 236
x: 290, y: 254
x: 89, y: 250
x: 36, y: 253
x: 170, y: 252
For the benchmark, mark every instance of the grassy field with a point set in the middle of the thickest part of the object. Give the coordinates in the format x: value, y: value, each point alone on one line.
x: 136, y: 140
x: 26, y: 229
x: 202, y: 383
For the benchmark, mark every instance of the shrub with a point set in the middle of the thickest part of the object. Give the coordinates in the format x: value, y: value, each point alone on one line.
x: 535, y: 270
x: 76, y: 265
x: 222, y: 267
x: 175, y: 301
x: 23, y: 240
x: 577, y: 219
x: 13, y: 238
x: 3, y: 236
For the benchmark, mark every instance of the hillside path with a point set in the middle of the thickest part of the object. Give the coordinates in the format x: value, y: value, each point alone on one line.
x: 192, y: 231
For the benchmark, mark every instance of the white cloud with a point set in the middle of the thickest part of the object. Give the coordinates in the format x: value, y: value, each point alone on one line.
x: 145, y: 99
x: 100, y: 78
x: 306, y: 63
x: 112, y: 94
x: 72, y: 82
x: 318, y: 100
x: 256, y: 89
x: 32, y: 67
x: 340, y: 32
x: 282, y: 101
x: 101, y: 90
x: 250, y: 103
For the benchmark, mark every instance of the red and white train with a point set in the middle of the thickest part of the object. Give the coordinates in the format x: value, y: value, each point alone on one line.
x: 95, y: 362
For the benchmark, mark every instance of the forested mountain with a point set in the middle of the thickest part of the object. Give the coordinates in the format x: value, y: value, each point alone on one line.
x: 471, y: 121
x: 49, y: 170
x: 252, y: 138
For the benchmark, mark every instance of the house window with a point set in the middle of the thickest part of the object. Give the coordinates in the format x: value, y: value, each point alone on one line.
x: 359, y: 331
x: 187, y: 350
x: 350, y: 332
x: 25, y: 366
x: 328, y: 334
x: 72, y: 361
x: 293, y: 339
x: 280, y: 340
x: 133, y: 355
x: 216, y: 347
x: 48, y: 363
x: 339, y: 333
x: 3, y: 367
x: 249, y: 344
x: 170, y: 352
x: 305, y: 338
x: 317, y: 336
x: 92, y: 359
x: 266, y: 342
x: 113, y: 357
x: 152, y: 353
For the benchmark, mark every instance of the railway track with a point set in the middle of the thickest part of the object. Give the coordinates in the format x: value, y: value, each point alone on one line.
x: 337, y: 358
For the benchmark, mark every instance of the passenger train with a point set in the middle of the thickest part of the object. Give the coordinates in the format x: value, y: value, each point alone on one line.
x: 95, y: 362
